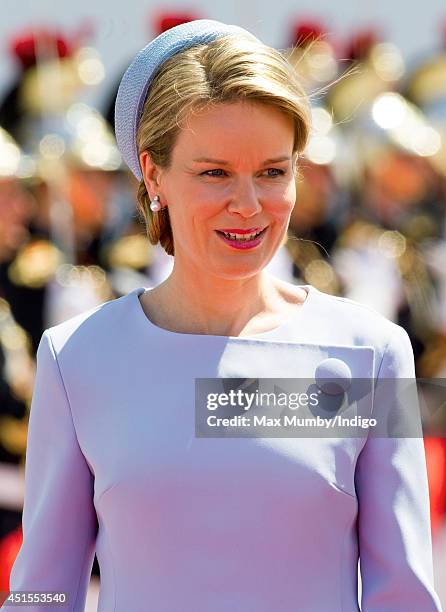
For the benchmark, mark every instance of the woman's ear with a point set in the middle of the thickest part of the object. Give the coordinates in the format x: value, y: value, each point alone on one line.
x: 150, y: 173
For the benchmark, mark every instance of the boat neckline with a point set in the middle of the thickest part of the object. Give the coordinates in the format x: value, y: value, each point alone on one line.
x: 301, y: 309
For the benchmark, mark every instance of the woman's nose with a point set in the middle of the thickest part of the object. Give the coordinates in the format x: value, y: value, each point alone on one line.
x: 245, y: 199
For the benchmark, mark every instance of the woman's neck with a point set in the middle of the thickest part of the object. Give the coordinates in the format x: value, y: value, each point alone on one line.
x: 221, y: 307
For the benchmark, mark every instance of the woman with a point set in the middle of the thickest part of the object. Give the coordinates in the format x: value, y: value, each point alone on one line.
x: 185, y: 522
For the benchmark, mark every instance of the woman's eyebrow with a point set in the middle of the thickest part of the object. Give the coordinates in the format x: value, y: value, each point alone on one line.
x: 222, y: 162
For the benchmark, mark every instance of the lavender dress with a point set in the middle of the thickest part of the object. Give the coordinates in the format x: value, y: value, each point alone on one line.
x: 182, y: 523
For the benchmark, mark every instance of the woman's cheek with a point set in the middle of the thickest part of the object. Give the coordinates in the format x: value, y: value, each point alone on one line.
x: 280, y: 209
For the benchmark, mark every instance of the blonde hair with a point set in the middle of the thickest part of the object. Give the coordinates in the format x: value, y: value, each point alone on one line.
x: 228, y: 69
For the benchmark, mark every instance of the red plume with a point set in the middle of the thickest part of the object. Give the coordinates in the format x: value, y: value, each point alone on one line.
x: 359, y: 45
x: 165, y: 21
x: 24, y: 46
x: 306, y: 32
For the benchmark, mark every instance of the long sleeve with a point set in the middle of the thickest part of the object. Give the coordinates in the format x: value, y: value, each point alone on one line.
x: 59, y: 520
x: 394, y: 533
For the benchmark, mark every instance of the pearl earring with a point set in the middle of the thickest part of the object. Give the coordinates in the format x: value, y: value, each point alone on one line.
x: 155, y: 206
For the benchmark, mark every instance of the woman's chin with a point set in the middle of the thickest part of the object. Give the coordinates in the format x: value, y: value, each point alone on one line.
x: 236, y: 270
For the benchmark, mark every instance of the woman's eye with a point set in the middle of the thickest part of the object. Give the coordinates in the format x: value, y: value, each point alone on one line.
x: 280, y: 172
x: 214, y: 170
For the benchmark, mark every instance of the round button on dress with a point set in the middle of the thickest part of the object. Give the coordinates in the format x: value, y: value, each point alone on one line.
x: 333, y: 376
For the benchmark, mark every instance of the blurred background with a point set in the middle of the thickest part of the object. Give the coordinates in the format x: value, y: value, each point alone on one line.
x: 369, y: 223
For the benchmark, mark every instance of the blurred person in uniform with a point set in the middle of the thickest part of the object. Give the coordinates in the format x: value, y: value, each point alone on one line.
x: 426, y: 87
x: 397, y: 209
x: 17, y: 370
x: 17, y: 245
x: 17, y: 364
x: 78, y: 183
x: 317, y: 217
x: 380, y: 264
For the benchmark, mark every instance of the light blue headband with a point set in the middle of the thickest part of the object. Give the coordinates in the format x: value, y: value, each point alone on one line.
x: 135, y: 83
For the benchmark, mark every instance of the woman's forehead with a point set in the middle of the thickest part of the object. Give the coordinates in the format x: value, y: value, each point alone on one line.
x: 234, y: 108
x: 219, y: 126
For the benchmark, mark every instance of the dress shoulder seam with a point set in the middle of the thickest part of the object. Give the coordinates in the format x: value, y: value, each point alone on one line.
x: 56, y: 361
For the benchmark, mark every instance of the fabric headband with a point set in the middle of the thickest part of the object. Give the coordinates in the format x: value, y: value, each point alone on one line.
x: 135, y: 83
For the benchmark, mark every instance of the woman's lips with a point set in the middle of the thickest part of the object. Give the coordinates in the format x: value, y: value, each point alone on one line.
x: 251, y: 230
x: 245, y: 244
